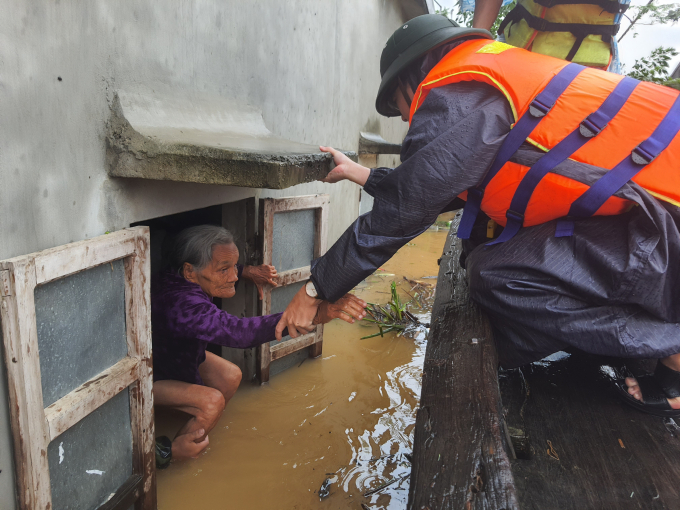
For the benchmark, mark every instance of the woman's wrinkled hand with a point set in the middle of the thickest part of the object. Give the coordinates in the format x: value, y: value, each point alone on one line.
x: 349, y: 308
x: 187, y: 447
x: 345, y: 168
x: 261, y: 276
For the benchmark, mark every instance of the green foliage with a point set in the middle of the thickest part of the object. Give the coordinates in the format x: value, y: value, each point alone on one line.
x: 673, y: 83
x: 650, y: 14
x: 501, y: 16
x: 654, y: 68
x: 389, y: 317
x: 395, y: 315
x: 464, y: 19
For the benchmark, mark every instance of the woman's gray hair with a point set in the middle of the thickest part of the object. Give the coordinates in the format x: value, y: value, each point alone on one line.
x: 195, y: 245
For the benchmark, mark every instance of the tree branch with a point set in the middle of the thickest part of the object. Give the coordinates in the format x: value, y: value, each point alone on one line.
x: 640, y: 14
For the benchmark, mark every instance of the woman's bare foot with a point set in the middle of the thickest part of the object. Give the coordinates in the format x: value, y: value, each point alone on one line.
x: 672, y: 362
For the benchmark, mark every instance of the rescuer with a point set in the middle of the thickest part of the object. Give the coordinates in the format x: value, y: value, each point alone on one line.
x: 580, y: 167
x: 582, y: 32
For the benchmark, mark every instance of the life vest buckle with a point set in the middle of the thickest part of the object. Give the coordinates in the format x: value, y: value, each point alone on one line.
x: 642, y: 157
x: 515, y: 216
x: 476, y: 193
x: 538, y: 109
x: 589, y: 129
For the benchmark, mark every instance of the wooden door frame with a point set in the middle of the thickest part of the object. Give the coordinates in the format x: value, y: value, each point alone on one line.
x: 33, y: 425
x: 268, y: 208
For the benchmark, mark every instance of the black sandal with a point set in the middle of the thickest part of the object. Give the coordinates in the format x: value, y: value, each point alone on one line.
x: 656, y: 389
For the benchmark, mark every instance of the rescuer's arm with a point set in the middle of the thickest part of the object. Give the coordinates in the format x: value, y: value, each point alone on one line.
x: 452, y: 141
x: 486, y: 12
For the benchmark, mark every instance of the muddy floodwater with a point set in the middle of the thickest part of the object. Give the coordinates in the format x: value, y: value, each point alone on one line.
x: 345, y: 418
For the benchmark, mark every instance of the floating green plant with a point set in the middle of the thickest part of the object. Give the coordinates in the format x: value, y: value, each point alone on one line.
x: 393, y: 316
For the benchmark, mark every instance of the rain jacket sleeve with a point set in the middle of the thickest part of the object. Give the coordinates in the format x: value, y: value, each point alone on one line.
x: 450, y: 145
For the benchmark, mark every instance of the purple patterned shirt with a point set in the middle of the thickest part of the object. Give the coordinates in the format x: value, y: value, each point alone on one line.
x: 184, y: 320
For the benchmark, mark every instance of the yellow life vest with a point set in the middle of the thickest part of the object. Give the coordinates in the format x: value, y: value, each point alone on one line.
x: 576, y: 30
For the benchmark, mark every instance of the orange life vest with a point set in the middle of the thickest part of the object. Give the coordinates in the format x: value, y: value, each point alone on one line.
x: 602, y: 119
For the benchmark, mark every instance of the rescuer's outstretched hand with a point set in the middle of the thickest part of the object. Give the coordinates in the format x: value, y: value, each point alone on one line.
x: 299, y: 315
x: 345, y: 168
x: 349, y: 308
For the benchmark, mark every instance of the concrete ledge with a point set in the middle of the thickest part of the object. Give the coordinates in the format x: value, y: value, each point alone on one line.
x: 206, y: 142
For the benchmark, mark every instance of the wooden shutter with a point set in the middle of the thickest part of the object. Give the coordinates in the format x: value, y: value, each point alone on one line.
x: 294, y: 231
x: 44, y: 296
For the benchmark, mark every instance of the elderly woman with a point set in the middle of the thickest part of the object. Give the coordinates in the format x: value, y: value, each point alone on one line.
x: 185, y: 320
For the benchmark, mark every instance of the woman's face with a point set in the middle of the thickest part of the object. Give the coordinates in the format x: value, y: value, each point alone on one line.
x: 218, y: 278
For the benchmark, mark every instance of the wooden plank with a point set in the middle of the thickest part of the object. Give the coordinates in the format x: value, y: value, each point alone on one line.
x: 264, y: 359
x: 321, y: 229
x: 74, y: 257
x: 588, y: 449
x: 293, y: 345
x: 320, y: 246
x: 268, y: 232
x: 6, y: 287
x: 138, y: 324
x: 459, y: 456
x: 29, y: 427
x: 126, y: 495
x: 293, y: 276
x: 316, y: 348
x: 73, y: 407
x: 298, y: 203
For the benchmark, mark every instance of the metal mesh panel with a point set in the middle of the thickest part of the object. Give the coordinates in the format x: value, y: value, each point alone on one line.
x: 293, y: 242
x: 92, y: 459
x: 81, y: 327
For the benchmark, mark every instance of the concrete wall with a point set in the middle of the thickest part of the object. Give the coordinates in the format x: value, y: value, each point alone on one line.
x: 310, y: 66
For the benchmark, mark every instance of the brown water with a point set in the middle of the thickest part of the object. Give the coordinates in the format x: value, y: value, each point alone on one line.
x: 347, y: 416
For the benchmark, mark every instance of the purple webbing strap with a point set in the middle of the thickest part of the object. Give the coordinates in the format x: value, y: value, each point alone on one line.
x: 538, y: 109
x: 587, y: 130
x: 588, y: 204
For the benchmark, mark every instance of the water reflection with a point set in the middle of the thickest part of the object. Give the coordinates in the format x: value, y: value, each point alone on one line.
x: 340, y: 426
x: 383, y: 454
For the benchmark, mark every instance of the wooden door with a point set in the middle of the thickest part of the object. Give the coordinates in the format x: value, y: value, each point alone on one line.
x: 294, y: 231
x: 77, y: 341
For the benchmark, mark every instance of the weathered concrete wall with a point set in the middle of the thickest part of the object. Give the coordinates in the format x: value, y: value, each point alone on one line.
x: 310, y: 67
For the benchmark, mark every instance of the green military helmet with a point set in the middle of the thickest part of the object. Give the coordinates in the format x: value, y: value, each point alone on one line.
x: 413, y: 40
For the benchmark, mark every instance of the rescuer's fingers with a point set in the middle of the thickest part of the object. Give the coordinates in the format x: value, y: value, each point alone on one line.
x: 338, y: 156
x: 353, y: 306
x: 292, y: 331
x: 304, y: 328
x: 259, y: 291
x: 341, y: 314
x: 278, y: 333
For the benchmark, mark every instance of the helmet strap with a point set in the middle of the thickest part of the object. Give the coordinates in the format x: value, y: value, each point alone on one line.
x: 404, y: 91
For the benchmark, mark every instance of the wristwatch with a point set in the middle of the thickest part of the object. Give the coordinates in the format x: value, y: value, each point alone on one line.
x: 310, y: 289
